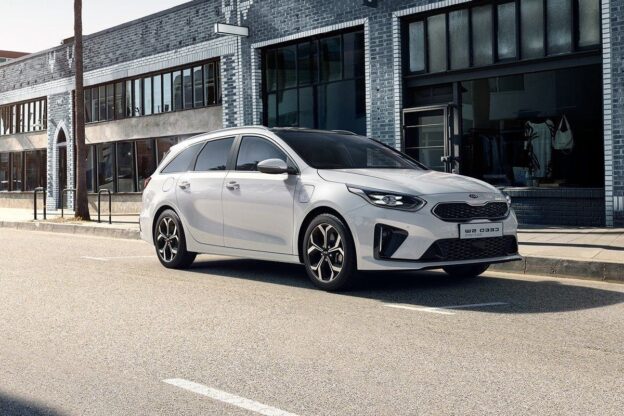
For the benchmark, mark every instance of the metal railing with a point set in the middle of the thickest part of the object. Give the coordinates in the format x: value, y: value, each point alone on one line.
x: 110, y: 204
x: 45, y: 200
x: 66, y: 190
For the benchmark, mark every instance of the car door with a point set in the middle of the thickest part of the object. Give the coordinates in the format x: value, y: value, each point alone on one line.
x: 199, y: 192
x: 258, y: 207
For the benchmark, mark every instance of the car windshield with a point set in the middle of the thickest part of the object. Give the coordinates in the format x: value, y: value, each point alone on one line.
x: 330, y: 150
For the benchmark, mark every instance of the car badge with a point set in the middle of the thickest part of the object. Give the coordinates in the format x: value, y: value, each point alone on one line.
x: 473, y: 196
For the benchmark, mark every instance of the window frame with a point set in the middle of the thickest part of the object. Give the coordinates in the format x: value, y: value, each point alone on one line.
x: 128, y: 95
x: 236, y: 149
x: 269, y: 56
x: 575, y: 49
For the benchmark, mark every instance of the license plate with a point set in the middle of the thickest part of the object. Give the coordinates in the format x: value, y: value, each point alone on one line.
x: 483, y: 230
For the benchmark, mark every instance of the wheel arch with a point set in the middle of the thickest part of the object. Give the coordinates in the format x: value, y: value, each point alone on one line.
x: 309, y: 217
x: 159, y: 211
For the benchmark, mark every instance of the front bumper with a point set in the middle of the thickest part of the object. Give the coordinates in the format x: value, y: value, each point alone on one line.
x: 427, y: 241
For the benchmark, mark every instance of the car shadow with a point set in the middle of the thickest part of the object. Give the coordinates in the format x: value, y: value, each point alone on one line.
x: 432, y: 288
x: 12, y: 406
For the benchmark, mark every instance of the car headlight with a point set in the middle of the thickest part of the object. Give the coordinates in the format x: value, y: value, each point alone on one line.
x: 391, y: 200
x: 507, y: 197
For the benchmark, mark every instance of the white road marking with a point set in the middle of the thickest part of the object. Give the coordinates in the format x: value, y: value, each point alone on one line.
x: 115, y: 258
x: 442, y: 310
x: 228, y: 398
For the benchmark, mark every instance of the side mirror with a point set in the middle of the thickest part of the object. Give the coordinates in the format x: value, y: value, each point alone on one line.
x: 273, y: 166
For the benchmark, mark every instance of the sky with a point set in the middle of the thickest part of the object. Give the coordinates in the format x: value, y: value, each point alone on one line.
x: 35, y: 25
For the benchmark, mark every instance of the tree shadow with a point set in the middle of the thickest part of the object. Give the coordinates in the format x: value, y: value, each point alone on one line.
x: 433, y: 288
x: 13, y: 406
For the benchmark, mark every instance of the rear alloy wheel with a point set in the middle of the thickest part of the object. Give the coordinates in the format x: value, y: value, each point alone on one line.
x: 329, y: 253
x: 170, y: 242
x: 468, y: 270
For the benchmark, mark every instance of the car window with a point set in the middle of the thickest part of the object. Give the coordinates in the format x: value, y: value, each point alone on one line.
x: 254, y: 150
x: 214, y: 155
x: 330, y: 150
x: 182, y: 162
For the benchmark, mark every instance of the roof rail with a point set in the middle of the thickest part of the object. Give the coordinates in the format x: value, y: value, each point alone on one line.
x: 345, y: 132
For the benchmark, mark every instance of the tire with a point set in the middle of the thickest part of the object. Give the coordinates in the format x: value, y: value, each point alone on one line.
x: 170, y: 242
x: 329, y: 253
x: 467, y: 270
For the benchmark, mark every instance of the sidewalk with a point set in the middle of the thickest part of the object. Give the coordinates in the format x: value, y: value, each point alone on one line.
x: 123, y: 226
x: 590, y: 253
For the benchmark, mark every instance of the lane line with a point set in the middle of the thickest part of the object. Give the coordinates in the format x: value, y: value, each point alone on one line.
x: 228, y: 398
x: 442, y: 310
x: 115, y: 258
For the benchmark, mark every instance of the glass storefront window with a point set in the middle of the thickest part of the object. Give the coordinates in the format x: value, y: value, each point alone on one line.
x: 119, y: 101
x: 35, y: 162
x: 532, y: 23
x: 459, y: 40
x: 102, y: 102
x: 331, y: 65
x: 110, y: 101
x: 436, y: 37
x: 198, y: 87
x: 506, y: 34
x: 534, y: 129
x: 417, y: 46
x: 146, y: 160
x: 17, y: 169
x: 188, y: 88
x: 90, y: 169
x: 138, y: 101
x: 106, y: 166
x: 87, y: 99
x: 167, y: 98
x: 163, y: 145
x: 129, y: 108
x: 125, y: 167
x: 147, y: 96
x: 177, y: 90
x: 559, y: 26
x: 157, y: 85
x: 589, y: 22
x: 95, y: 104
x: 5, y: 172
x: 326, y: 90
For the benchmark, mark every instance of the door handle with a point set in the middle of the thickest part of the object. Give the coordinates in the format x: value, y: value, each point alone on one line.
x: 184, y: 184
x: 233, y: 186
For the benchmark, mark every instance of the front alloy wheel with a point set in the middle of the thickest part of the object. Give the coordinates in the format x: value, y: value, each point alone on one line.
x: 170, y: 243
x: 329, y: 254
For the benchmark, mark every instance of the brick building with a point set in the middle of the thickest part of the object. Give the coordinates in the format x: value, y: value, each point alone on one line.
x: 524, y: 94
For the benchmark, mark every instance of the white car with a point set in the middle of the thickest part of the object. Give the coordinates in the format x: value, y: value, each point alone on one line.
x: 332, y: 200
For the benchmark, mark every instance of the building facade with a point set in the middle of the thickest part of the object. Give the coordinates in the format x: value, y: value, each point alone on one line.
x: 524, y: 94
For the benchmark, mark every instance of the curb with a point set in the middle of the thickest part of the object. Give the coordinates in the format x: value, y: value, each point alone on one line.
x: 564, y: 268
x: 125, y: 233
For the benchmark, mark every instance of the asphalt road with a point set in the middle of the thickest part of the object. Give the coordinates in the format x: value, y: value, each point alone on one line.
x: 95, y: 326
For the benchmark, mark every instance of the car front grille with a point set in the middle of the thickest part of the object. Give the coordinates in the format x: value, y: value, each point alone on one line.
x: 454, y: 249
x: 461, y: 211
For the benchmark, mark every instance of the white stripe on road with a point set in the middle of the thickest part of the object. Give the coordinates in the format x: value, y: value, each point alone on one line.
x: 442, y: 309
x: 115, y: 258
x: 228, y: 398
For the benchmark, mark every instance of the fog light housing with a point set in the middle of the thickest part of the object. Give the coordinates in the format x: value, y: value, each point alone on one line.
x: 387, y: 241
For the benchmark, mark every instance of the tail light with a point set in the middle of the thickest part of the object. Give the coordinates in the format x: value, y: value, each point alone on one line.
x: 146, y: 181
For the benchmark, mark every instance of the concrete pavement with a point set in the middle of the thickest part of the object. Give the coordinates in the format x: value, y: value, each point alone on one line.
x: 590, y: 253
x: 95, y: 325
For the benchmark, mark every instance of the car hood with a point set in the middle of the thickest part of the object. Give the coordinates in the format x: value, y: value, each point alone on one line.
x: 418, y: 182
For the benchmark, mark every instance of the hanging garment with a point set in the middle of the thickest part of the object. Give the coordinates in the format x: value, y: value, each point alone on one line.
x: 564, y: 139
x: 541, y: 141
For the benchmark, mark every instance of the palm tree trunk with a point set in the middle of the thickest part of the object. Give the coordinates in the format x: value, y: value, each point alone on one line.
x: 82, y: 203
